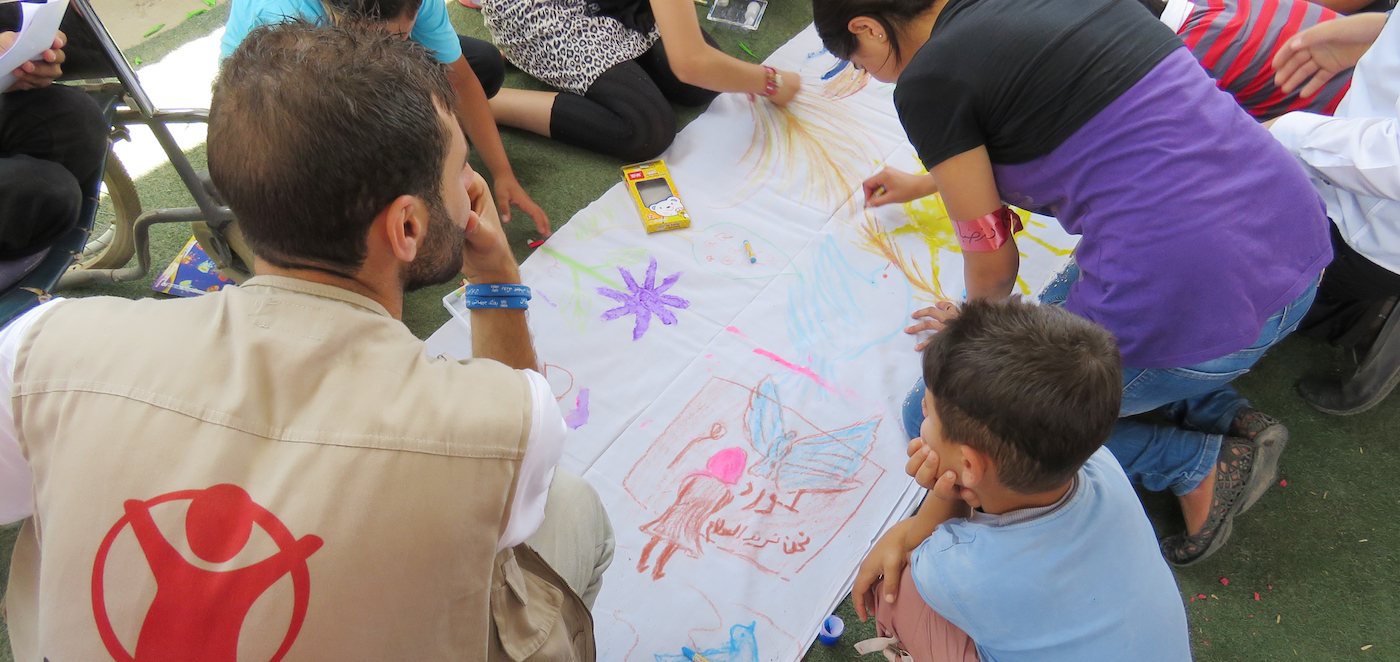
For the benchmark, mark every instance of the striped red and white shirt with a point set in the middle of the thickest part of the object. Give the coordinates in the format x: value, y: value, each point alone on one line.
x: 1235, y: 40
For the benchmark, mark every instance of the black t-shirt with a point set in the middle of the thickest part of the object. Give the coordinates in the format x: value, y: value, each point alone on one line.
x: 1021, y: 76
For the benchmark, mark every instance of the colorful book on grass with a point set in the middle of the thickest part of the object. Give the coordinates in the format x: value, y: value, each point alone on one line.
x: 192, y: 273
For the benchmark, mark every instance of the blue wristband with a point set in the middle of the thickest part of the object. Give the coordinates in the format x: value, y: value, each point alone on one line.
x: 510, y: 303
x: 496, y: 290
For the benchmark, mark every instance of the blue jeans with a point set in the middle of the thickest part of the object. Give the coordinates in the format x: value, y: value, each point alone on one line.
x: 1198, y: 398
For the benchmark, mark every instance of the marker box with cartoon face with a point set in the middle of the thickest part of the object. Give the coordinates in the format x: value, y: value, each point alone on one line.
x: 655, y: 195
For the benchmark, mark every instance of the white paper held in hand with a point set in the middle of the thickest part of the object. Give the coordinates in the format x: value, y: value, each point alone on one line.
x: 37, y: 30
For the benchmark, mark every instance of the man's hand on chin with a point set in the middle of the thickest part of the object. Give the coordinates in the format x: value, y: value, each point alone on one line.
x: 486, y: 257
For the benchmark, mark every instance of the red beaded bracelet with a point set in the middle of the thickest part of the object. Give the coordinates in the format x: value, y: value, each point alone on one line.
x: 775, y: 80
x: 989, y: 232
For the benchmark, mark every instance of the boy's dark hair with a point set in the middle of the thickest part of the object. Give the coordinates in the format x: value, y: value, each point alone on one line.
x: 1034, y: 387
x: 372, y: 10
x: 314, y: 129
x: 833, y: 16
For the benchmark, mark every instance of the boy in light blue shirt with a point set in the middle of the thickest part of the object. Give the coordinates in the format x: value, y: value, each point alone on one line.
x: 475, y: 68
x: 1034, y: 545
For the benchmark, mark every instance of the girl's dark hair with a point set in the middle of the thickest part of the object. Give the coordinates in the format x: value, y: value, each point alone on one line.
x: 832, y: 17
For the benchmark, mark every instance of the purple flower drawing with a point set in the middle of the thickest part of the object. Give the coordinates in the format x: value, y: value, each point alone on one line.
x: 645, y: 300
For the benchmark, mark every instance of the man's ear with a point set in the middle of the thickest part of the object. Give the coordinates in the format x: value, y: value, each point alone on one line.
x: 402, y: 225
x: 974, y: 467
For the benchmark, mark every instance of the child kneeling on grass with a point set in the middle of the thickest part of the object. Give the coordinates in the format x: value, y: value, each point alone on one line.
x: 1033, y: 545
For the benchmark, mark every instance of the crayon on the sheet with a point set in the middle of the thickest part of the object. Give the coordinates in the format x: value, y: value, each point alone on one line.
x: 693, y: 656
x: 749, y: 248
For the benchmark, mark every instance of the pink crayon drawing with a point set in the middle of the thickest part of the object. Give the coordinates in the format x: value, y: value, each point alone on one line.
x: 700, y: 496
x: 774, y: 488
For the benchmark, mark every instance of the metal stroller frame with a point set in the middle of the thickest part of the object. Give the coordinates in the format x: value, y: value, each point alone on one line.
x: 212, y: 222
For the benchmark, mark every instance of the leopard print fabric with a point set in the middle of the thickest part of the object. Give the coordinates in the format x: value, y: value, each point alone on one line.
x: 558, y: 42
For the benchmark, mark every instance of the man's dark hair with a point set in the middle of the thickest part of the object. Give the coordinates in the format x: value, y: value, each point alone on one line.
x: 1034, y: 387
x: 314, y: 129
x: 832, y: 18
x: 372, y: 10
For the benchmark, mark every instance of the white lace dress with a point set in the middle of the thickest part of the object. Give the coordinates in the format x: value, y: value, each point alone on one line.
x: 558, y: 42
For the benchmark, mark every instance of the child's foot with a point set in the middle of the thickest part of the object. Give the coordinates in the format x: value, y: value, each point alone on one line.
x: 1269, y: 438
x: 1208, y: 526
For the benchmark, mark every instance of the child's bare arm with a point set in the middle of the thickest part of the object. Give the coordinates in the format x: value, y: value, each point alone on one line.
x: 891, y: 553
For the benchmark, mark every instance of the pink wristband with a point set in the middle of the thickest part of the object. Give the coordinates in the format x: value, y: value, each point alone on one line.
x: 989, y: 232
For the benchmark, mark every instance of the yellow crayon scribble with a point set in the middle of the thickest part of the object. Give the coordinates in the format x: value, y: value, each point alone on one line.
x: 928, y: 219
x: 812, y: 138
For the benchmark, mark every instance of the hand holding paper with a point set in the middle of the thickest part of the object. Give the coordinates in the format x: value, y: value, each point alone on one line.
x: 32, y: 58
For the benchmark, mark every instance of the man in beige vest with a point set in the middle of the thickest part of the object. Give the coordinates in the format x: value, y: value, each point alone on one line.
x: 278, y: 471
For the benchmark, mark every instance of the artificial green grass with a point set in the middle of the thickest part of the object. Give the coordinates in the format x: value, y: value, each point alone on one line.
x: 1320, y: 552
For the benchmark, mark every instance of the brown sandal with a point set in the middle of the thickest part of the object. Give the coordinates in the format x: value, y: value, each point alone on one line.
x: 1233, y: 471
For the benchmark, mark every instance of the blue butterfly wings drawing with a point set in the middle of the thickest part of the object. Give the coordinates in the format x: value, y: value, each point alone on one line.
x: 823, y: 462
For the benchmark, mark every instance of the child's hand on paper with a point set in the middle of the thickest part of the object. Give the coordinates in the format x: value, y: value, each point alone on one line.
x: 510, y: 192
x: 792, y: 84
x: 891, y: 185
x: 932, y: 318
x: 886, y: 559
x: 41, y: 71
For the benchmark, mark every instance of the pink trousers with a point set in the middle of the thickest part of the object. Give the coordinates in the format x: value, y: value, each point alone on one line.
x: 922, y: 632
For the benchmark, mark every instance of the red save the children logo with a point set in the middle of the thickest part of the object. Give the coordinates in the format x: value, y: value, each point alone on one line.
x: 197, y: 612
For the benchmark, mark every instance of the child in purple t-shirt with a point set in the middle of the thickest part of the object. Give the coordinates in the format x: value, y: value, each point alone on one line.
x: 1201, y: 239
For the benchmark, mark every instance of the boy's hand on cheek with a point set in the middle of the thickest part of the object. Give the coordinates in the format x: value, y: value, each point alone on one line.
x: 923, y: 465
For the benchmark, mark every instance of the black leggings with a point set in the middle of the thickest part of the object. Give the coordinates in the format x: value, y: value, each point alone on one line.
x: 627, y: 112
x: 486, y: 62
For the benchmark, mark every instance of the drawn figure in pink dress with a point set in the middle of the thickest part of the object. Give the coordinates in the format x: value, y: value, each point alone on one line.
x: 701, y: 495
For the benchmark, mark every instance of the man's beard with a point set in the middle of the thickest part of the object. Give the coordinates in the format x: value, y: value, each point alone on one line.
x: 440, y: 258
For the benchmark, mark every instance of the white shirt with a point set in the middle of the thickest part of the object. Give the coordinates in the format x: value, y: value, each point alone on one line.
x: 1176, y: 12
x: 542, y: 451
x: 1354, y: 157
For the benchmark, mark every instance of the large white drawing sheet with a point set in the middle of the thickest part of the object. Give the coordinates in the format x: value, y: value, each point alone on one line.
x: 741, y: 419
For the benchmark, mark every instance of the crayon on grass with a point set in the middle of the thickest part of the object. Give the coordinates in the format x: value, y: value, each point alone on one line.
x: 211, y: 3
x: 154, y: 30
x: 136, y: 61
x: 195, y: 13
x: 693, y: 656
x: 746, y: 50
x: 535, y: 244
